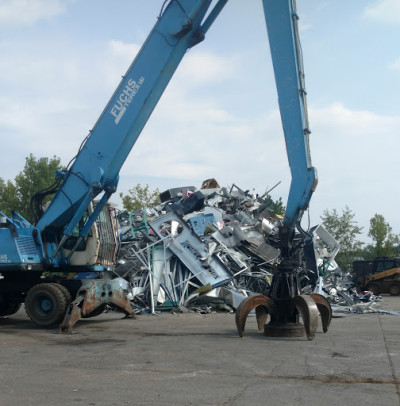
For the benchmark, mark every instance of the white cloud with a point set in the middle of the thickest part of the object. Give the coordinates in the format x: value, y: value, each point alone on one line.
x: 355, y: 155
x: 125, y: 51
x: 59, y: 112
x: 395, y: 64
x: 386, y: 11
x: 116, y: 61
x: 187, y: 141
x: 357, y: 123
x: 27, y: 12
x: 357, y: 142
x: 200, y: 67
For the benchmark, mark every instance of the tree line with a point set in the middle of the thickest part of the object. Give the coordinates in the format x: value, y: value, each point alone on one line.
x: 38, y: 174
x: 346, y: 231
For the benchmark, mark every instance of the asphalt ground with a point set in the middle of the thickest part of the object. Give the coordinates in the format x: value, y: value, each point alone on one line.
x: 196, y: 359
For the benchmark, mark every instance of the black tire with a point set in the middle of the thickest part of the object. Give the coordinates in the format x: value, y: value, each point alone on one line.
x: 65, y: 292
x: 45, y: 304
x: 8, y: 308
x: 374, y: 288
x: 394, y: 289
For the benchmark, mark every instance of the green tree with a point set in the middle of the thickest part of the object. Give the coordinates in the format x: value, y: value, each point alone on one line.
x: 8, y: 197
x: 345, y: 230
x: 139, y: 197
x: 385, y: 242
x: 279, y: 207
x: 276, y: 206
x: 38, y: 174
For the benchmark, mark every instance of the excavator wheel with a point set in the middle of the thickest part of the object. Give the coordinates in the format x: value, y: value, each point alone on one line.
x: 394, y: 289
x: 374, y: 288
x: 46, y: 304
x: 65, y: 292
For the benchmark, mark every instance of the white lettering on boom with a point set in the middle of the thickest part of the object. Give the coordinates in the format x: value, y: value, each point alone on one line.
x: 125, y: 97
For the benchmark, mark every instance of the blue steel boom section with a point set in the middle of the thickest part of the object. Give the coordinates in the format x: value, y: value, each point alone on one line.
x: 281, y: 20
x: 97, y: 165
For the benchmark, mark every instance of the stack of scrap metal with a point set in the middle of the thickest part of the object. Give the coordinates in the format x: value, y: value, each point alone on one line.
x: 208, y: 249
x: 337, y: 286
x: 199, y: 249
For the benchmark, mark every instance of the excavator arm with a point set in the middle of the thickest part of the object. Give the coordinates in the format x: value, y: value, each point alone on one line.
x: 180, y: 26
x: 284, y: 303
x: 281, y: 20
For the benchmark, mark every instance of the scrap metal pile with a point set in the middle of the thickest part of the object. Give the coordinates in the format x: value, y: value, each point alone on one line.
x: 337, y: 286
x: 209, y: 249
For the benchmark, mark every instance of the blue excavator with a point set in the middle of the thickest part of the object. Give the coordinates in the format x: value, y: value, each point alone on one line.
x: 75, y: 233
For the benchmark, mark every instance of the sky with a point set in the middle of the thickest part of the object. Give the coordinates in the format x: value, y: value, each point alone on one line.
x: 61, y: 60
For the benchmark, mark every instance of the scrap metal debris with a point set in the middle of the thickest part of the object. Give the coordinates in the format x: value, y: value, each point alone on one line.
x: 209, y: 249
x: 337, y: 286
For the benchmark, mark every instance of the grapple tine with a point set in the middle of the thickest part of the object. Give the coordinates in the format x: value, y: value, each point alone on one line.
x: 324, y: 308
x: 261, y: 316
x: 262, y: 304
x: 309, y: 312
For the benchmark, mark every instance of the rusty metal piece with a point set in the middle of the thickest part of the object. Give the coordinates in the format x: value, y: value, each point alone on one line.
x: 92, y: 295
x: 324, y: 308
x: 262, y: 304
x: 261, y: 316
x: 104, y: 291
x: 309, y: 312
x: 72, y: 315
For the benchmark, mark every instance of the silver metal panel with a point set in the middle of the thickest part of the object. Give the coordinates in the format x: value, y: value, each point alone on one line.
x: 190, y: 250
